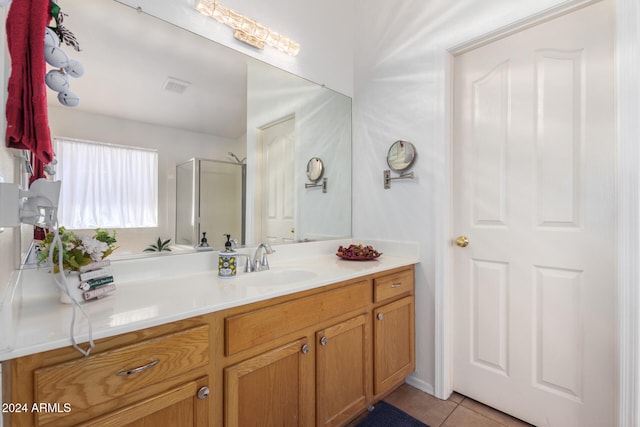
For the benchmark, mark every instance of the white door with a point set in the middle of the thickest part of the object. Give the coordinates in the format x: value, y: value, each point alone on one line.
x: 278, y: 156
x: 533, y: 298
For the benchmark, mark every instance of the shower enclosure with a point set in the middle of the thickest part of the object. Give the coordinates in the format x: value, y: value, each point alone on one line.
x: 211, y: 199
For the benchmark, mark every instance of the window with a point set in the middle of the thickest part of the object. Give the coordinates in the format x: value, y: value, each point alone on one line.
x: 105, y: 185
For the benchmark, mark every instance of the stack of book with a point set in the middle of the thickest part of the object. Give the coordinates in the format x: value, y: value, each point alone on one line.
x: 96, y: 280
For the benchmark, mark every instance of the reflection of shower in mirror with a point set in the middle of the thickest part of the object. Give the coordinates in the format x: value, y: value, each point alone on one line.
x: 233, y: 156
x: 211, y: 198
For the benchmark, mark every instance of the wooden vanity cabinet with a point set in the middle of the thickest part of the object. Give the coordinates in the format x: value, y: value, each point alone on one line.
x: 302, y: 362
x: 393, y: 330
x: 343, y: 367
x: 277, y: 387
x: 321, y: 358
x: 272, y: 388
x: 313, y: 358
x: 133, y: 379
x: 394, y: 354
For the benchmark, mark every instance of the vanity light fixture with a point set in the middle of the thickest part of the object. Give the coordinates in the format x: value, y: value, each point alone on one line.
x: 247, y: 30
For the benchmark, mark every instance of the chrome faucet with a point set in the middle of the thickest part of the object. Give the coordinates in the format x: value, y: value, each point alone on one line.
x: 260, y: 264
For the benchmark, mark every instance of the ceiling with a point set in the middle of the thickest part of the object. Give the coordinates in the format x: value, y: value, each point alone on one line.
x: 128, y: 57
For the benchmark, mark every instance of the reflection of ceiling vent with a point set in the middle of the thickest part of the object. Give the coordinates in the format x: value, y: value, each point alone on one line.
x: 175, y: 85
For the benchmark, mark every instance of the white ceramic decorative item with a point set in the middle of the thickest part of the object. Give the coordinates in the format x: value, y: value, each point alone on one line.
x: 68, y: 99
x: 75, y: 68
x: 51, y: 38
x: 56, y: 57
x: 57, y: 81
x: 50, y: 168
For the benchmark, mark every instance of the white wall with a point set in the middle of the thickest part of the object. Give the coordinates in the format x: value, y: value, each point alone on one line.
x: 400, y: 92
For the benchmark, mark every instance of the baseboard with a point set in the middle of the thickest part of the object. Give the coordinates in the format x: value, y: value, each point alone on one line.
x: 420, y: 385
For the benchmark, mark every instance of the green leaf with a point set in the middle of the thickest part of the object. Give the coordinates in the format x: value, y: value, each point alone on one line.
x: 160, y: 246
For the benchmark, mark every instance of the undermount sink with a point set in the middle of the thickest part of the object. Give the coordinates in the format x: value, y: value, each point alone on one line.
x: 276, y: 277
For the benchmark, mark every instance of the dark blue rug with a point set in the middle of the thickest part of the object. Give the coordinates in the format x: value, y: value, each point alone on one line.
x: 385, y: 415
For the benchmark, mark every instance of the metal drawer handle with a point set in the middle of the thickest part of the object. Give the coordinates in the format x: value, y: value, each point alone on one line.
x: 139, y: 369
x: 396, y: 285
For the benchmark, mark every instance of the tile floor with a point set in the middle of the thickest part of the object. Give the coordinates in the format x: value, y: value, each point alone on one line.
x: 458, y: 411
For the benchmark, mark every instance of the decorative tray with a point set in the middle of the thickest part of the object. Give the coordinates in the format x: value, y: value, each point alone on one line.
x: 358, y: 253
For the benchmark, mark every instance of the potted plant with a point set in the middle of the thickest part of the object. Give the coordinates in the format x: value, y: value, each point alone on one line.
x: 160, y: 246
x: 77, y: 250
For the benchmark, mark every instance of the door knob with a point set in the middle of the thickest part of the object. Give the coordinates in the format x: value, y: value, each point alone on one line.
x: 462, y: 241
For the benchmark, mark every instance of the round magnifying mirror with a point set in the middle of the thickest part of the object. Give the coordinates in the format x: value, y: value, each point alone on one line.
x: 315, y: 169
x: 401, y: 156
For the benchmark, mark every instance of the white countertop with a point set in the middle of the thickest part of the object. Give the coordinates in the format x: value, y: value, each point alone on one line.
x: 158, y: 290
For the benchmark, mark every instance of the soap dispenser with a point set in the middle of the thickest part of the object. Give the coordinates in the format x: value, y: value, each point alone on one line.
x: 204, y: 245
x: 227, y: 260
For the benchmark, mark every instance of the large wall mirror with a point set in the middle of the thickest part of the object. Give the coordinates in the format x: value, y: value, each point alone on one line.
x: 153, y: 85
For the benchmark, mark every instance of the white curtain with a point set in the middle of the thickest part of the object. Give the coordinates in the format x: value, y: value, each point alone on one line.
x: 107, y: 186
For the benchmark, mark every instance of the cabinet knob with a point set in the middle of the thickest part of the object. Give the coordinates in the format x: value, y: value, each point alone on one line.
x: 305, y: 349
x: 324, y: 341
x: 203, y: 393
x: 380, y: 316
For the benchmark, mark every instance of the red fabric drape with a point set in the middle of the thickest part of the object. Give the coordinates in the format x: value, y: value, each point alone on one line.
x: 27, y: 118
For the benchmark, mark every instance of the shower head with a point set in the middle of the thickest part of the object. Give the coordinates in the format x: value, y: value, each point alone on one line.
x: 240, y: 162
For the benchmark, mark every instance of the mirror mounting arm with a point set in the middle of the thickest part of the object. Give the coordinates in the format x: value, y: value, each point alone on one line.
x: 313, y: 185
x: 388, y: 178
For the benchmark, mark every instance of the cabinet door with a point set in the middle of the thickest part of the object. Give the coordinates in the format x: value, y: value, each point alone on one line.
x: 186, y: 405
x: 343, y: 371
x: 394, y: 344
x: 271, y: 389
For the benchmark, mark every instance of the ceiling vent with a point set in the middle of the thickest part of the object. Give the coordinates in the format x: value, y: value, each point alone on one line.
x: 175, y: 85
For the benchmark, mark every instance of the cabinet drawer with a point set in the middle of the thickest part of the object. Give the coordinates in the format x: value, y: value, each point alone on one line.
x: 392, y: 285
x: 247, y: 330
x: 94, y: 380
x: 179, y: 406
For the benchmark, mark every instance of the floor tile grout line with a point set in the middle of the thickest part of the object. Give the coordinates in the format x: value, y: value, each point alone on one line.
x: 451, y: 413
x: 472, y: 410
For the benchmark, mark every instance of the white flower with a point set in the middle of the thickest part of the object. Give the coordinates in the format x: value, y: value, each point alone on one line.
x: 94, y: 248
